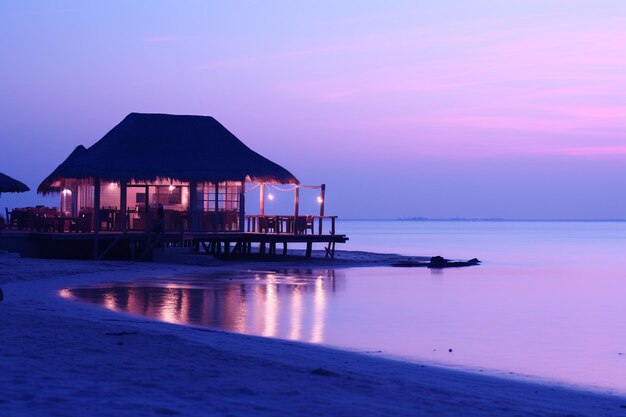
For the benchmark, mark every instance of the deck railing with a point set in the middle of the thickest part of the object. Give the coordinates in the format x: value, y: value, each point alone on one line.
x: 256, y: 223
x: 45, y: 219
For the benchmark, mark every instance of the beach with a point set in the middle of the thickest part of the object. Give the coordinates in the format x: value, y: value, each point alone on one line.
x: 64, y: 358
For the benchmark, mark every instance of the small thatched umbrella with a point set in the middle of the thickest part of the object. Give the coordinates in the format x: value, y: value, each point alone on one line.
x: 11, y: 185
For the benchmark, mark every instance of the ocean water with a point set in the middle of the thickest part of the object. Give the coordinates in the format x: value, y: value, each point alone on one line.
x: 548, y: 302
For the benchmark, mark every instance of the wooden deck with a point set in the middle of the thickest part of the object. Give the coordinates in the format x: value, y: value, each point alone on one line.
x: 139, y: 245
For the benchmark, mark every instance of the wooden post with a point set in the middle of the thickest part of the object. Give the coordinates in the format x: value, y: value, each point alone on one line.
x: 74, y: 190
x: 262, y: 200
x: 216, y: 220
x: 96, y: 215
x: 323, y: 198
x: 192, y: 210
x: 96, y: 205
x: 296, y: 207
x: 242, y: 207
x: 146, y: 209
x: 123, y: 197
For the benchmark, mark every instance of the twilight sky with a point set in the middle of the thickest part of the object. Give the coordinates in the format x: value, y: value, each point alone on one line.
x: 476, y: 108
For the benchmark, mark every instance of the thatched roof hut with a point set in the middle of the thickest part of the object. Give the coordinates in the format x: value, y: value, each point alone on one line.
x: 152, y: 147
x: 11, y: 185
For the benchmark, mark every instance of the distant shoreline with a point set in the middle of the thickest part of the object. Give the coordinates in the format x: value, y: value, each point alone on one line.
x: 495, y: 220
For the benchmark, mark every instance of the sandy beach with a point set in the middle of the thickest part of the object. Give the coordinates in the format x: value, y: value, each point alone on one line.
x: 66, y: 358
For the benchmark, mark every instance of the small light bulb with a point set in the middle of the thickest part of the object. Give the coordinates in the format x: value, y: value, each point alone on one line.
x: 172, y: 187
x: 319, y: 199
x: 270, y: 196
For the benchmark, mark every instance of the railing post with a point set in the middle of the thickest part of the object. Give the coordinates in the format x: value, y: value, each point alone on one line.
x: 322, y: 201
x: 296, y: 207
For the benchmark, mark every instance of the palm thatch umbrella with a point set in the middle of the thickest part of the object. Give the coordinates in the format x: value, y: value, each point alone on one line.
x: 151, y: 147
x: 11, y: 185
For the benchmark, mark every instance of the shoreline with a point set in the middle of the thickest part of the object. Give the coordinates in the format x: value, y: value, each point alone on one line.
x: 64, y: 357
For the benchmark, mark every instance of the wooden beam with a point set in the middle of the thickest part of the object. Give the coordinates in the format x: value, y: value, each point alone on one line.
x: 296, y: 206
x: 123, y: 199
x: 323, y: 198
x: 96, y: 215
x: 193, y: 209
x: 96, y: 205
x: 216, y: 206
x: 262, y: 200
x: 242, y: 206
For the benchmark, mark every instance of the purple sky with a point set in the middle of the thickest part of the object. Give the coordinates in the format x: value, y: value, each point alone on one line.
x: 469, y: 109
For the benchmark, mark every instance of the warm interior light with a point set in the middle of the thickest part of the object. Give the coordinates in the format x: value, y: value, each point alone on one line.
x: 270, y: 196
x: 172, y: 187
x: 320, y: 199
x: 112, y: 185
x: 66, y: 192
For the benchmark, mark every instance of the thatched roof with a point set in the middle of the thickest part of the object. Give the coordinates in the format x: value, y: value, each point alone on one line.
x: 149, y: 147
x: 52, y: 183
x: 11, y: 185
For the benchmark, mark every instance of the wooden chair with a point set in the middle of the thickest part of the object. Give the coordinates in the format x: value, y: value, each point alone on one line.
x: 266, y: 224
x: 82, y: 223
x: 303, y: 224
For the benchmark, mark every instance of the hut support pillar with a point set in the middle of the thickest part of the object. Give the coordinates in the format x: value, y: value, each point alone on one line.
x: 216, y: 220
x: 96, y: 215
x: 74, y: 190
x: 242, y: 206
x: 123, y: 197
x: 147, y: 209
x: 193, y: 209
x: 96, y: 205
x: 262, y: 200
x: 322, y: 201
x: 296, y: 206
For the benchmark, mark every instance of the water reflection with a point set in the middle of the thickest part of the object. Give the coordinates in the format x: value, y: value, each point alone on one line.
x: 285, y: 304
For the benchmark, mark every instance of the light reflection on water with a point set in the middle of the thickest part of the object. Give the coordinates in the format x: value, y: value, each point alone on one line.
x: 286, y: 305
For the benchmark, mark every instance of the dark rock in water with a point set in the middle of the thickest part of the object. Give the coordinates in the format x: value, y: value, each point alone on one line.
x: 435, y: 262
x: 441, y: 262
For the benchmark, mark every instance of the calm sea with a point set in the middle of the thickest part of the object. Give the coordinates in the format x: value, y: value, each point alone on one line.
x: 549, y: 300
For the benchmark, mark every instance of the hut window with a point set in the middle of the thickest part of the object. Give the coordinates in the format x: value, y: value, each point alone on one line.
x: 109, y: 195
x: 227, y: 196
x: 85, y: 196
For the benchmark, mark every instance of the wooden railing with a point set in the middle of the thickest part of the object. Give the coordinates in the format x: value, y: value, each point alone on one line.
x: 290, y: 224
x: 43, y: 219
